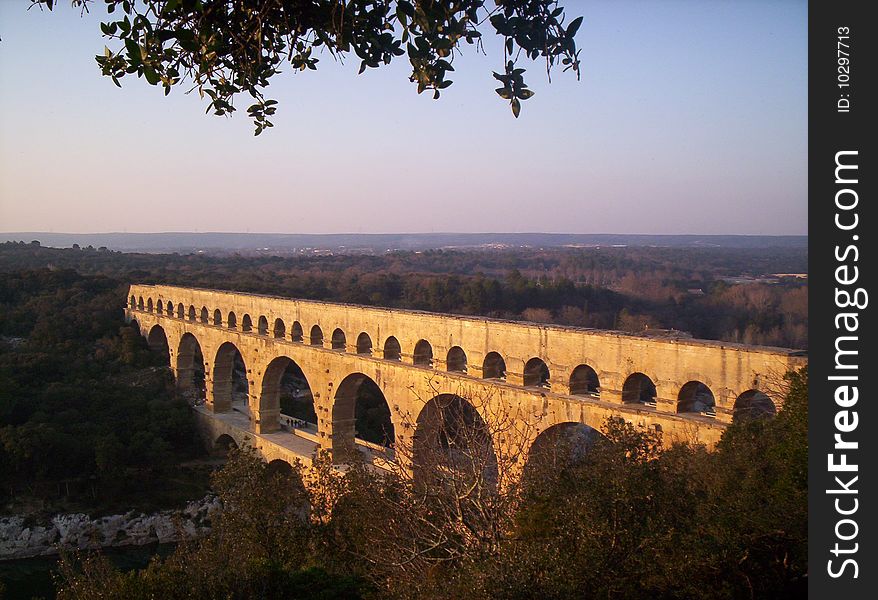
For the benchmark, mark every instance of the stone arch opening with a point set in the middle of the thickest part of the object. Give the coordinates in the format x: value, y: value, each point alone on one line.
x: 280, y: 329
x: 364, y: 344
x: 639, y: 389
x: 494, y: 367
x: 140, y: 303
x: 316, y: 336
x: 423, y: 354
x: 360, y: 411
x: 232, y: 320
x: 224, y: 444
x: 158, y: 343
x: 170, y: 308
x: 453, y: 445
x: 392, y: 350
x: 536, y: 373
x: 204, y: 317
x: 218, y: 318
x: 149, y: 304
x: 296, y: 332
x: 160, y: 307
x: 285, y: 389
x: 191, y: 313
x: 339, y: 341
x: 181, y: 311
x: 752, y: 405
x: 190, y: 369
x: 132, y: 302
x: 696, y: 397
x: 584, y: 382
x: 456, y: 360
x: 263, y: 325
x: 246, y: 323
x: 558, y: 447
x: 231, y: 388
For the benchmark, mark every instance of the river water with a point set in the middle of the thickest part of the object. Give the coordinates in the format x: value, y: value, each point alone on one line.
x: 29, y: 578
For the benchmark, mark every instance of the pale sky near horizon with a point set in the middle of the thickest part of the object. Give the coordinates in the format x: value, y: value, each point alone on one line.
x: 691, y: 117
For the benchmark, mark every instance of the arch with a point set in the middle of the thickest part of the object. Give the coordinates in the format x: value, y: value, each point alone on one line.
x: 191, y: 313
x: 751, y: 405
x: 205, y: 316
x: 316, y: 336
x: 296, y: 333
x: 232, y: 320
x: 159, y: 307
x: 263, y: 325
x: 181, y: 311
x: 280, y: 329
x: 246, y: 323
x: 224, y: 444
x: 230, y: 383
x: 360, y: 410
x: 453, y: 442
x: 132, y: 302
x: 339, y: 341
x: 158, y: 343
x: 190, y: 368
x: 584, y: 382
x: 696, y: 397
x: 494, y: 367
x: 456, y: 360
x: 285, y: 389
x: 423, y: 354
x: 140, y: 303
x: 364, y: 344
x: 558, y: 447
x: 639, y: 389
x: 218, y: 318
x: 392, y: 350
x: 149, y: 304
x: 536, y: 373
x: 170, y: 308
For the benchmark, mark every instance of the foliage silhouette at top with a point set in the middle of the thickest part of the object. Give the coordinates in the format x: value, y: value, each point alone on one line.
x: 226, y: 47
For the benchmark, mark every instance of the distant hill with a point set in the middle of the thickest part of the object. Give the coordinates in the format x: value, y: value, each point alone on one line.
x: 377, y: 243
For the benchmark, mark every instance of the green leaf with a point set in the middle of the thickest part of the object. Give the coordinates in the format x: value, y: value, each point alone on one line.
x: 574, y: 26
x: 516, y: 107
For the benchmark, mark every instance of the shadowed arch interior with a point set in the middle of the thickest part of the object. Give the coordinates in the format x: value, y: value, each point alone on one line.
x: 453, y: 442
x: 338, y: 340
x: 316, y: 336
x: 558, y: 447
x: 639, y: 389
x: 224, y: 444
x: 280, y: 330
x: 191, y: 313
x: 158, y: 343
x: 364, y: 344
x: 170, y: 308
x: 360, y: 410
x: 456, y: 360
x: 286, y: 389
x: 190, y: 368
x: 263, y: 325
x: 296, y: 333
x: 205, y: 316
x: 246, y: 323
x: 232, y: 320
x: 536, y: 373
x: 160, y: 307
x: 392, y: 351
x: 140, y: 303
x: 751, y: 405
x: 423, y: 354
x: 229, y: 378
x: 696, y: 397
x: 494, y: 367
x: 217, y: 318
x: 584, y: 382
x: 132, y: 303
x: 149, y: 305
x: 181, y: 311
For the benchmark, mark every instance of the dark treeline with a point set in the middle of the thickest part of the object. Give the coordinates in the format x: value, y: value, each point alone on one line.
x: 87, y: 414
x: 632, y: 289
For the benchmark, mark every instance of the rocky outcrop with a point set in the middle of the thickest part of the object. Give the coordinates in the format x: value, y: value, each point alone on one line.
x: 20, y: 539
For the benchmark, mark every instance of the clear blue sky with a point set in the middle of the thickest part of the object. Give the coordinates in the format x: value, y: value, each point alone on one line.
x: 691, y: 117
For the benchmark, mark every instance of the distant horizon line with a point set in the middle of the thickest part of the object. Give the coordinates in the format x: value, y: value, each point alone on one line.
x: 351, y: 233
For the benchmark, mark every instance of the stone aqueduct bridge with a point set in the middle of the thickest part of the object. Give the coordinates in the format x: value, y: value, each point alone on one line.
x: 558, y: 375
